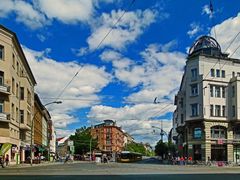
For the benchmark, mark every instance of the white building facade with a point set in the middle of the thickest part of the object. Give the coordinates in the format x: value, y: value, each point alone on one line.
x: 206, y: 122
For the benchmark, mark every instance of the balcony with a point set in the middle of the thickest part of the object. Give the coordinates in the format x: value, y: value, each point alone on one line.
x: 5, y: 89
x: 4, y: 117
x: 24, y: 127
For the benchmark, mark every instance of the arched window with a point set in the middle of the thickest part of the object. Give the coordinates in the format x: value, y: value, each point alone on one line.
x: 218, y: 132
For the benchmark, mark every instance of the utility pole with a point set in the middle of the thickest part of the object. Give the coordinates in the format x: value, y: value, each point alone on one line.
x: 32, y: 127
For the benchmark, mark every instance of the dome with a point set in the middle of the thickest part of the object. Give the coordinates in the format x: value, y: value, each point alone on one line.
x: 206, y: 45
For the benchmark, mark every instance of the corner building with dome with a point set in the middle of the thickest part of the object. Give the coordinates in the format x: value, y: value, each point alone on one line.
x: 206, y: 122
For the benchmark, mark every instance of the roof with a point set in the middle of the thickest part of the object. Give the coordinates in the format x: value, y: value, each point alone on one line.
x: 206, y: 45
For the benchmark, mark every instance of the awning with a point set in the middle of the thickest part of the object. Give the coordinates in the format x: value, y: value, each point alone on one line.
x: 5, y: 147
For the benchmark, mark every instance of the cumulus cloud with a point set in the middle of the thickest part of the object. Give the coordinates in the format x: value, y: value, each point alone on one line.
x: 206, y: 10
x: 52, y: 77
x: 195, y: 29
x: 155, y: 72
x: 124, y: 32
x: 225, y: 35
x: 67, y: 11
x: 25, y: 13
x: 136, y: 120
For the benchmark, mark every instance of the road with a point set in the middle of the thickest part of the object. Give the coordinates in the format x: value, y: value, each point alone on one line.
x: 147, y: 169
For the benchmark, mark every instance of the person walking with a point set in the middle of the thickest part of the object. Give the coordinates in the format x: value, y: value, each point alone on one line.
x: 7, y: 160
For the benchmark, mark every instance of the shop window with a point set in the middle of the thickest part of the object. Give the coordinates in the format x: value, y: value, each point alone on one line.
x: 218, y: 132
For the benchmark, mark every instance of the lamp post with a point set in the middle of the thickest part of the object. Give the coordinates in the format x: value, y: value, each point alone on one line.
x: 32, y: 126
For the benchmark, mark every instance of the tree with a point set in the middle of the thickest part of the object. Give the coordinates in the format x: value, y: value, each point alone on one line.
x: 138, y: 147
x: 163, y: 149
x: 82, y: 140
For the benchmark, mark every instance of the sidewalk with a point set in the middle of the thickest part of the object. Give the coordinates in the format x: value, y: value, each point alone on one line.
x: 43, y: 163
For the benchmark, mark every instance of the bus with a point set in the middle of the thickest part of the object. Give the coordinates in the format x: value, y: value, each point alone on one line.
x: 128, y: 156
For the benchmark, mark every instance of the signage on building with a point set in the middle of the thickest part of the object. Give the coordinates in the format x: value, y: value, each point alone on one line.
x: 190, y: 146
x: 219, y: 141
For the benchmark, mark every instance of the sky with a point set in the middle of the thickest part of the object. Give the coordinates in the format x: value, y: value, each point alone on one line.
x: 109, y: 59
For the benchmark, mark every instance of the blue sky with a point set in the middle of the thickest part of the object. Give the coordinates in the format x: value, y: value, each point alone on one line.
x: 142, y: 58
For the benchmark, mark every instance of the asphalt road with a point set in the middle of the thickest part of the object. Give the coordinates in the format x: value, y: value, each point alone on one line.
x: 147, y: 170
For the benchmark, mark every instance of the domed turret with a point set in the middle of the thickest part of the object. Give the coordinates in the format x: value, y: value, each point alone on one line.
x: 205, y: 45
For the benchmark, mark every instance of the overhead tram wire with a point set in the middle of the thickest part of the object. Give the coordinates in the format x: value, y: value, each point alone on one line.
x: 118, y: 20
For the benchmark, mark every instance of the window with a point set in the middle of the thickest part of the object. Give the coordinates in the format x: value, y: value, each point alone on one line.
x: 217, y: 73
x: 1, y: 52
x: 217, y: 110
x: 212, y: 73
x: 197, y: 133
x: 13, y: 111
x: 1, y: 78
x: 223, y: 92
x: 22, y: 93
x: 233, y: 74
x: 181, y: 118
x: 13, y: 86
x: 194, y: 73
x: 17, y: 68
x: 218, y: 132
x: 194, y: 108
x: 1, y: 106
x: 238, y: 74
x: 223, y: 74
x: 13, y: 61
x: 211, y: 110
x: 17, y: 115
x: 233, y: 91
x: 22, y: 116
x: 217, y: 91
x: 224, y: 111
x: 233, y: 111
x: 194, y: 89
x: 17, y: 92
x: 28, y: 97
x: 211, y: 90
x: 181, y: 103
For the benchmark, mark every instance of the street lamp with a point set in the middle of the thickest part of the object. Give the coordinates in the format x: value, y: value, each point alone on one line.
x: 32, y: 126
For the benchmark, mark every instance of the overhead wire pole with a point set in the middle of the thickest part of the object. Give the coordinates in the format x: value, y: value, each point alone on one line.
x: 100, y: 43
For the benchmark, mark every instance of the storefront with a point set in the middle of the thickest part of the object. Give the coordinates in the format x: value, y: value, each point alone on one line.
x: 219, y: 152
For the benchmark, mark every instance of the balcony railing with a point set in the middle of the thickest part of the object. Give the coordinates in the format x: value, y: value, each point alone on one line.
x: 4, y: 117
x: 5, y: 88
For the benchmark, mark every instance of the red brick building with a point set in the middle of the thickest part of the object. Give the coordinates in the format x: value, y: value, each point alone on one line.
x: 110, y: 137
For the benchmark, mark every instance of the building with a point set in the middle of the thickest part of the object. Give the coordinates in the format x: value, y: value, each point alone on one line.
x: 65, y: 147
x: 52, y: 138
x: 109, y: 136
x: 207, y: 118
x: 42, y: 133
x: 16, y: 96
x: 127, y: 139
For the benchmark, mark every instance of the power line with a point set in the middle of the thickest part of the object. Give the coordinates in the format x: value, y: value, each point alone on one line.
x: 118, y: 20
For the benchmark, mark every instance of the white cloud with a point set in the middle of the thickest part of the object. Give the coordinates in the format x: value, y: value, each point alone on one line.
x: 67, y: 11
x: 155, y: 74
x: 126, y: 31
x: 226, y: 31
x: 136, y: 120
x: 206, y: 10
x: 195, y: 28
x: 52, y: 76
x: 25, y: 13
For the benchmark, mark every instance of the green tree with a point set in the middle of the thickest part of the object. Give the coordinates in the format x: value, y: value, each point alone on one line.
x: 139, y: 148
x: 82, y: 140
x: 161, y: 149
x: 164, y: 148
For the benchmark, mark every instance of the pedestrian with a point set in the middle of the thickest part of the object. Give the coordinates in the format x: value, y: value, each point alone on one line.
x: 181, y: 160
x: 7, y: 160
